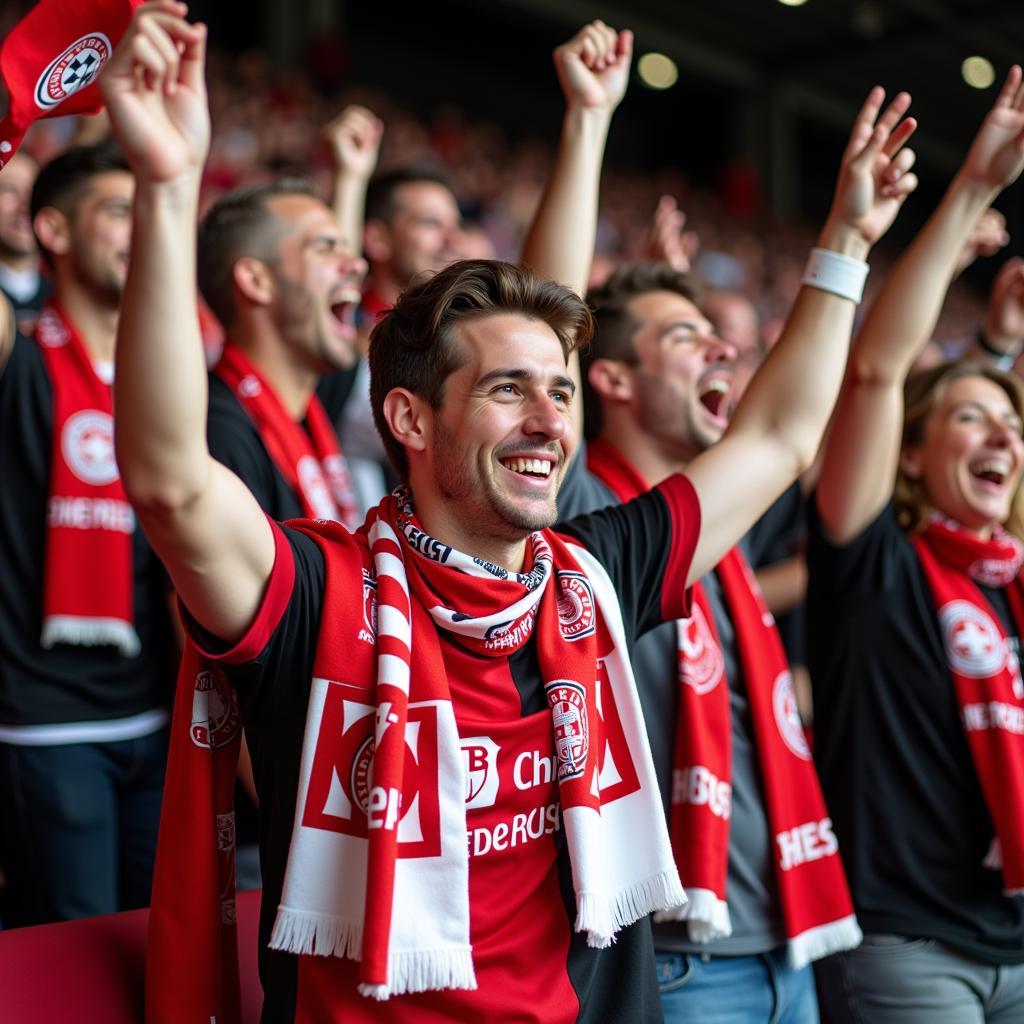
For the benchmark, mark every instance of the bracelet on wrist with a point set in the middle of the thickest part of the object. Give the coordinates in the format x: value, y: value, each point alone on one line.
x: 1002, y: 359
x: 833, y: 272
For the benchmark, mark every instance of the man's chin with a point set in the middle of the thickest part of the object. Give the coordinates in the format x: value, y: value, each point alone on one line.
x: 529, y: 518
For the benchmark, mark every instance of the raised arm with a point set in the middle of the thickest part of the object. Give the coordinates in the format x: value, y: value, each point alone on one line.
x: 6, y: 330
x: 593, y: 70
x: 353, y: 138
x: 778, y: 425
x: 859, y: 470
x: 204, y: 524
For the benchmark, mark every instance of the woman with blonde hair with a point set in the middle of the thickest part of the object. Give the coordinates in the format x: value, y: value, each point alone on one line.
x: 915, y: 608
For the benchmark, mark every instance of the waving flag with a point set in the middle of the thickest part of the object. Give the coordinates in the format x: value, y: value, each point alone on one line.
x: 51, y: 59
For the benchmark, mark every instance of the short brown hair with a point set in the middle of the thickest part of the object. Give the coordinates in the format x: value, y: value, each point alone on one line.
x: 413, y: 346
x: 921, y: 395
x: 615, y: 325
x: 240, y: 224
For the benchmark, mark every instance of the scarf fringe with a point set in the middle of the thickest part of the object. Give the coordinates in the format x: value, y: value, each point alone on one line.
x: 83, y: 631
x: 602, y: 916
x: 707, y: 916
x: 302, y: 932
x: 824, y: 940
x: 423, y: 970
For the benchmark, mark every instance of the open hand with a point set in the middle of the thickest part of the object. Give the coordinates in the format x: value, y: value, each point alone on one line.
x: 668, y: 241
x: 156, y: 95
x: 593, y: 66
x: 354, y: 140
x: 875, y: 175
x: 996, y: 155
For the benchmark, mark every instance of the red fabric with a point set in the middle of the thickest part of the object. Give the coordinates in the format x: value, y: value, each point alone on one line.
x: 373, y: 306
x: 812, y: 884
x: 192, y: 919
x: 87, y: 574
x: 311, y: 463
x: 191, y: 973
x: 434, y: 584
x: 986, y: 675
x: 51, y: 58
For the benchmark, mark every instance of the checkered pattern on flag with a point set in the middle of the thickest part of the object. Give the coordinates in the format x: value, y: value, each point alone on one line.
x: 51, y: 59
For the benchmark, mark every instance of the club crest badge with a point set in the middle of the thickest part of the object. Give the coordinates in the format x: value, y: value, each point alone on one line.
x: 73, y: 70
x: 359, y: 782
x: 51, y: 330
x: 576, y: 616
x: 974, y: 645
x: 568, y: 703
x: 87, y: 444
x: 215, y: 717
x: 701, y: 664
x: 787, y: 716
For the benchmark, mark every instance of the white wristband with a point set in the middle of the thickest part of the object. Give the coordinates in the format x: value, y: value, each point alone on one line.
x: 833, y: 272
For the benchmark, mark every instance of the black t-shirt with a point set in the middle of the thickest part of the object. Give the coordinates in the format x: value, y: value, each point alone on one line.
x: 777, y: 536
x: 895, y: 767
x: 234, y: 441
x: 27, y: 309
x: 65, y: 683
x: 639, y: 545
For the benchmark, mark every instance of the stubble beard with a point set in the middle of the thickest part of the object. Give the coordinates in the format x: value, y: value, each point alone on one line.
x: 485, y: 508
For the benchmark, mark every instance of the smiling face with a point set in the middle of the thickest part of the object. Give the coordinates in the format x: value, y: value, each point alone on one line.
x: 318, y: 281
x: 972, y: 455
x: 502, y: 437
x: 683, y: 378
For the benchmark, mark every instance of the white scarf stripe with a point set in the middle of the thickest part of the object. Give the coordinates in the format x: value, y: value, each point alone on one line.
x: 394, y: 671
x: 393, y: 622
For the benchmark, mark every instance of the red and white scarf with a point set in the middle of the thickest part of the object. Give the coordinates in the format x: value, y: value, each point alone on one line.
x: 986, y: 674
x: 353, y: 893
x: 816, y: 905
x: 87, y: 572
x: 311, y: 463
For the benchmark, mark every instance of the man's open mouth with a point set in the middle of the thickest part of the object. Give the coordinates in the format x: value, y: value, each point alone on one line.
x: 343, y: 312
x: 714, y: 395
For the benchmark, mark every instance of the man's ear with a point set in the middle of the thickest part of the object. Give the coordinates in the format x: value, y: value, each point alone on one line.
x: 253, y: 280
x: 376, y: 241
x: 53, y: 230
x: 611, y: 380
x: 911, y: 463
x: 409, y: 418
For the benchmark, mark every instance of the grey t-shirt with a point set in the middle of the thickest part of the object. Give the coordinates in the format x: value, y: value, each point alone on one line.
x: 751, y: 889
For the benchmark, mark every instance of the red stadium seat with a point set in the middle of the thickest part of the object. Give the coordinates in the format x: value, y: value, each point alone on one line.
x: 92, y: 971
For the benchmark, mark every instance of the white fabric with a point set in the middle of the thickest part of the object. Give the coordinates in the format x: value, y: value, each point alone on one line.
x: 617, y: 880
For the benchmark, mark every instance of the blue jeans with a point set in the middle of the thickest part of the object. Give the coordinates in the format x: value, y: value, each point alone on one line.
x: 78, y: 825
x: 759, y: 989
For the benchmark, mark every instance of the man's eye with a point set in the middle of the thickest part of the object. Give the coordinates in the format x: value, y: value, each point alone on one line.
x: 561, y: 396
